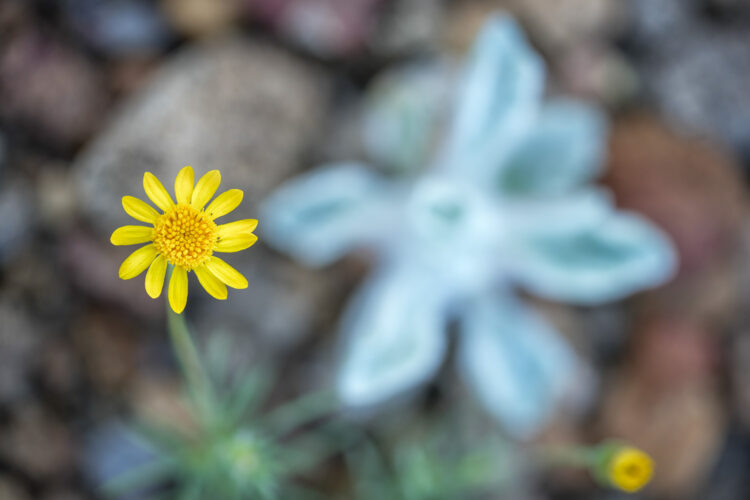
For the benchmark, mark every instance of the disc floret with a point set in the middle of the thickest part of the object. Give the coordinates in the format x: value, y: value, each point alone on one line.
x: 185, y: 236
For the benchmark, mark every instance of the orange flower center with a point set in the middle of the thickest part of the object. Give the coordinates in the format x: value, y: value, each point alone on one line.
x: 185, y: 236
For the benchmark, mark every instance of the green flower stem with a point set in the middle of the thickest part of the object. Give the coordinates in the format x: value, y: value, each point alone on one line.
x: 567, y: 456
x: 191, y: 367
x: 187, y: 354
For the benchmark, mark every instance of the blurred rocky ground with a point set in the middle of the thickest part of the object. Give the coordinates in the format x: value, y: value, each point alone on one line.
x: 94, y: 93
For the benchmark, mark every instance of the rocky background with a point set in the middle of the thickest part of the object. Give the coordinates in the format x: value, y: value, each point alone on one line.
x: 93, y: 93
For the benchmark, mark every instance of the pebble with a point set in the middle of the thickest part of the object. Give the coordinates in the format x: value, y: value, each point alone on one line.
x: 108, y: 348
x: 11, y: 490
x: 409, y: 26
x: 691, y: 188
x: 201, y: 18
x: 20, y: 338
x: 38, y: 443
x: 119, y: 28
x: 739, y: 373
x: 327, y: 28
x: 16, y: 214
x: 680, y: 51
x: 555, y: 27
x: 55, y: 198
x: 49, y: 91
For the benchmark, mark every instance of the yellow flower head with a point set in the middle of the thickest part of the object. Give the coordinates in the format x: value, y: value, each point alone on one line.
x: 629, y: 469
x: 185, y: 235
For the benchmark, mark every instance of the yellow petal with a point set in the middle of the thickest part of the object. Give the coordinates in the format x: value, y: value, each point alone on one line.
x: 139, y: 209
x: 224, y: 203
x: 155, y: 276
x: 205, y: 189
x: 236, y: 243
x: 211, y: 283
x: 183, y: 185
x: 137, y: 262
x: 237, y: 228
x: 132, y: 235
x: 226, y: 273
x: 178, y: 289
x: 156, y: 192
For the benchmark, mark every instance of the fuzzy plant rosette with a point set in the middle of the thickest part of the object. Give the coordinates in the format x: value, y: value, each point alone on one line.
x: 506, y: 204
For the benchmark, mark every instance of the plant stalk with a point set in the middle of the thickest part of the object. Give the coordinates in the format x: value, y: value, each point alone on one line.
x: 192, y: 368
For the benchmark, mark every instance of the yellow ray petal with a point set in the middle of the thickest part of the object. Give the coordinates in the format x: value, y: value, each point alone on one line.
x: 226, y: 273
x: 137, y: 262
x: 205, y: 189
x: 183, y: 185
x: 178, y: 289
x: 156, y: 192
x: 139, y: 209
x: 132, y: 235
x: 155, y: 276
x: 236, y: 243
x: 237, y: 228
x: 211, y: 283
x: 224, y: 203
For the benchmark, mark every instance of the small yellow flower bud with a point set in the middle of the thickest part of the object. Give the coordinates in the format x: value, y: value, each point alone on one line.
x: 623, y: 467
x: 630, y: 469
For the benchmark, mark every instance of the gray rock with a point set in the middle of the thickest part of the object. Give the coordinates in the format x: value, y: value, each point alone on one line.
x: 49, y: 90
x: 2, y: 152
x: 557, y: 26
x: 10, y: 490
x: 20, y: 339
x: 739, y: 370
x: 38, y: 443
x: 410, y: 25
x: 16, y: 212
x: 119, y: 27
x: 247, y: 109
x: 695, y: 69
x: 654, y: 20
x: 554, y: 27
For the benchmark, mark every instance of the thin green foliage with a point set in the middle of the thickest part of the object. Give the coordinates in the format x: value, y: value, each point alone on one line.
x: 231, y: 450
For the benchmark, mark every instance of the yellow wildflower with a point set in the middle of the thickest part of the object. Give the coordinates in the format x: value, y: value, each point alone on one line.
x: 629, y: 469
x: 185, y: 235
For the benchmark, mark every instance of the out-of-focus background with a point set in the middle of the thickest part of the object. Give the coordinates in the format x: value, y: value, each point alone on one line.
x: 93, y: 93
